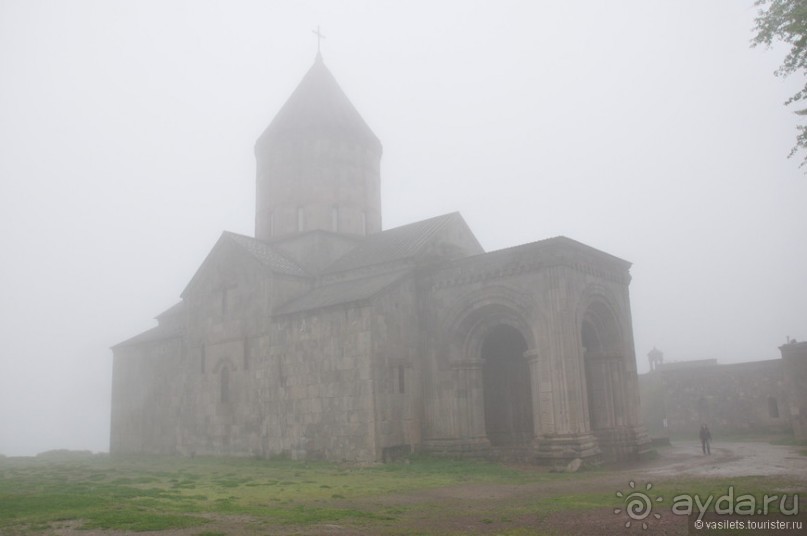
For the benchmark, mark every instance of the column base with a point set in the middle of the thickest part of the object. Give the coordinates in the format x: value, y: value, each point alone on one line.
x: 559, y: 450
x: 457, y: 448
x: 627, y: 443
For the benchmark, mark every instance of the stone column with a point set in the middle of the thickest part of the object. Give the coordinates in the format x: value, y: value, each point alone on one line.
x: 619, y: 381
x: 543, y: 418
x: 564, y: 436
x: 619, y: 438
x: 606, y: 380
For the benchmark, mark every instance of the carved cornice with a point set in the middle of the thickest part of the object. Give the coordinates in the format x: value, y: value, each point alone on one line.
x: 466, y: 273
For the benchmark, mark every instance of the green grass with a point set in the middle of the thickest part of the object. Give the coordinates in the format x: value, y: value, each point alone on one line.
x: 154, y: 494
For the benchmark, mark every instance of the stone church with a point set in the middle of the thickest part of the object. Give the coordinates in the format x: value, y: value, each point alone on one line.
x: 326, y: 337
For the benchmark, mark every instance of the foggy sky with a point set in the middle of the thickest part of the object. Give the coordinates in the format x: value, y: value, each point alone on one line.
x: 647, y: 129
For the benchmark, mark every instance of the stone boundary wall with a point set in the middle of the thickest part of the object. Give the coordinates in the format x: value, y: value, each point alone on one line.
x: 731, y: 399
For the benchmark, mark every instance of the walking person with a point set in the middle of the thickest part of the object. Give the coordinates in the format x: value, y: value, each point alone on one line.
x: 706, y: 438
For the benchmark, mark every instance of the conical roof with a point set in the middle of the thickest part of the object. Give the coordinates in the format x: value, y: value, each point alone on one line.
x: 318, y: 108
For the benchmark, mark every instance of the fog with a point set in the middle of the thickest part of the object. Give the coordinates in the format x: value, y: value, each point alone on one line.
x: 647, y: 129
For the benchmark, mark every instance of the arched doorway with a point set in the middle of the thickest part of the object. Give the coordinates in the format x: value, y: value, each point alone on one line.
x: 602, y: 358
x: 506, y: 384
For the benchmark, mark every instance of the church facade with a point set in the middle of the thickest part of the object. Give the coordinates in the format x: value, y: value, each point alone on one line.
x: 326, y: 337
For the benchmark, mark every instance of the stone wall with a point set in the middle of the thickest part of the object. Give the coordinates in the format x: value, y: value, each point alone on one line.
x: 304, y: 389
x: 145, y: 401
x: 228, y: 303
x: 794, y: 365
x: 317, y: 387
x: 238, y: 381
x: 392, y: 373
x: 730, y: 399
x: 396, y: 371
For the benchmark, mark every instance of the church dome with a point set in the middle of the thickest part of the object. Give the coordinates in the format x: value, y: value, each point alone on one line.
x: 318, y: 164
x: 318, y: 108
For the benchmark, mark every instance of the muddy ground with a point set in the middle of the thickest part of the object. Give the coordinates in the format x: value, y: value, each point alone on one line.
x: 466, y: 509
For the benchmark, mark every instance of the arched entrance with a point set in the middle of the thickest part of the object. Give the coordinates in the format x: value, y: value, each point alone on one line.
x: 603, y: 365
x: 506, y: 384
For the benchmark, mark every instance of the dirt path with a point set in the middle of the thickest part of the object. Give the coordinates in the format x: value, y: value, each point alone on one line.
x: 730, y: 459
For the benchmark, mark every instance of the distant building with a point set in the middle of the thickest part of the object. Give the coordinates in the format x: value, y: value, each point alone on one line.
x: 325, y: 336
x: 794, y: 368
x: 754, y: 397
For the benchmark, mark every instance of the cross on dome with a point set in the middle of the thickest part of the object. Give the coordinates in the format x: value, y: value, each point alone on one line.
x: 320, y: 37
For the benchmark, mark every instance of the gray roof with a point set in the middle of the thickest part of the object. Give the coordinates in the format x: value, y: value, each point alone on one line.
x: 172, y: 311
x: 264, y: 253
x: 318, y: 106
x: 394, y: 244
x: 562, y: 243
x: 267, y: 255
x: 159, y: 333
x: 342, y: 292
